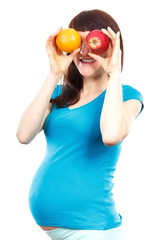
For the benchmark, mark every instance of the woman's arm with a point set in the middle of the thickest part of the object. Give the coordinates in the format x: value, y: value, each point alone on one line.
x: 116, y: 116
x: 34, y: 116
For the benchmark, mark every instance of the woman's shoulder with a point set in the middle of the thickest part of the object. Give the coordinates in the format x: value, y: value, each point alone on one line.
x: 128, y: 89
x: 57, y: 91
x: 130, y: 92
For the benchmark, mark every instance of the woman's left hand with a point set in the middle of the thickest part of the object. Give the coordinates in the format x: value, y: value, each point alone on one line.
x: 112, y: 63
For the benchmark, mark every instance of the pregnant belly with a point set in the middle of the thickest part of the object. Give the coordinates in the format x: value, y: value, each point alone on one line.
x: 52, y: 201
x: 57, y: 193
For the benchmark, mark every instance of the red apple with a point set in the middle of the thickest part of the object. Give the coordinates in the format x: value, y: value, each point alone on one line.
x: 97, y: 41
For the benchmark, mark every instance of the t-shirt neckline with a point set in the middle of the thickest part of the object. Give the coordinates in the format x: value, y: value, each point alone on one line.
x: 96, y: 98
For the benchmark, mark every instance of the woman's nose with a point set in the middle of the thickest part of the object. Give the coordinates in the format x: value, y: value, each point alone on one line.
x: 84, y: 50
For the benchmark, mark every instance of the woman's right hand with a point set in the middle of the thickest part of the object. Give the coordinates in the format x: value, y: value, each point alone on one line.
x: 59, y: 61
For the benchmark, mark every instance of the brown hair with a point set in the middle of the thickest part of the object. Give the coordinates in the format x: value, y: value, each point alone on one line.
x: 73, y: 80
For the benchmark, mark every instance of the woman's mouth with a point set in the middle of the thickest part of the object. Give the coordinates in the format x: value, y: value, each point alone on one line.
x: 87, y: 60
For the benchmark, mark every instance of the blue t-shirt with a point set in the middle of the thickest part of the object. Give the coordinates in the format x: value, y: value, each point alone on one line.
x: 72, y: 188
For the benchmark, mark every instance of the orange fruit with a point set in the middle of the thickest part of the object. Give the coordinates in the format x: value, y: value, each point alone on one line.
x: 68, y: 40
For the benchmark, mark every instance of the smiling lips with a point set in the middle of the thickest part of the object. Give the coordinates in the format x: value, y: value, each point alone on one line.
x: 87, y: 60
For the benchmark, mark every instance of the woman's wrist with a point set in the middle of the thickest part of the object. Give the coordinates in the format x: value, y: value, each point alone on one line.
x: 115, y: 74
x: 52, y: 80
x: 55, y: 75
x: 114, y: 79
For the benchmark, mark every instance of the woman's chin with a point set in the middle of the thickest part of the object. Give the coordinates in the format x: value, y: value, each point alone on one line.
x: 89, y: 73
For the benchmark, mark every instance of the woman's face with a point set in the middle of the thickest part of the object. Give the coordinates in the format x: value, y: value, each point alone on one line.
x: 86, y: 65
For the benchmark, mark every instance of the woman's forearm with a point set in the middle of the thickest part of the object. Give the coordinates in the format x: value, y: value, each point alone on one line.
x: 113, y: 122
x: 33, y: 116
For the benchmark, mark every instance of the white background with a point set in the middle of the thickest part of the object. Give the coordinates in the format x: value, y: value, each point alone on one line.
x: 24, y: 28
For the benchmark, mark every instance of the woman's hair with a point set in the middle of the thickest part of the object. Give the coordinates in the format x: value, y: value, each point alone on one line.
x: 73, y: 80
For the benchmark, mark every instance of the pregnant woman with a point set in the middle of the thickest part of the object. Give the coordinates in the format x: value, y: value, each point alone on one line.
x: 85, y: 120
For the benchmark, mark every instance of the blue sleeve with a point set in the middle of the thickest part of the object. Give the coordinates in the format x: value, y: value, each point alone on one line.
x: 57, y: 91
x: 132, y: 93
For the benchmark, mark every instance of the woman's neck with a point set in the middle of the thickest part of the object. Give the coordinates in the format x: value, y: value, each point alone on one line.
x: 94, y: 85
